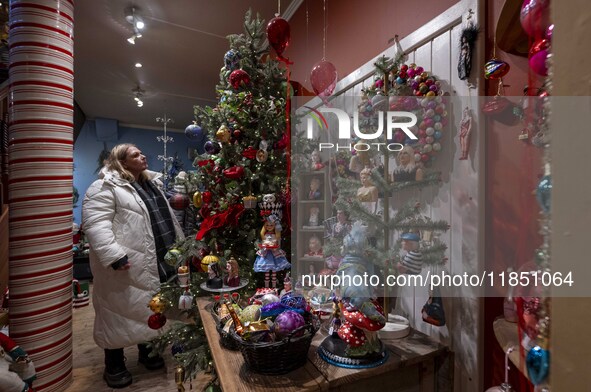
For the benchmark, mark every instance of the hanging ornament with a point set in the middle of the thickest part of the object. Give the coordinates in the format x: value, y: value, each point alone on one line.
x: 278, y: 34
x: 239, y: 78
x: 232, y: 60
x: 194, y: 132
x: 156, y: 321
x: 544, y: 193
x: 535, y: 17
x: 172, y: 257
x: 197, y: 199
x: 504, y: 387
x: 179, y: 201
x: 537, y: 363
x: 262, y: 156
x: 179, y: 378
x: 185, y: 301
x: 212, y: 148
x: 223, y: 134
x: 495, y: 69
x: 379, y: 102
x: 249, y: 202
x: 323, y: 79
x: 157, y: 304
x: 537, y: 57
x: 207, y: 196
x: 467, y: 40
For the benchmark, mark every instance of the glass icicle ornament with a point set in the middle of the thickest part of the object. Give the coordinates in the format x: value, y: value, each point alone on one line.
x: 505, y: 386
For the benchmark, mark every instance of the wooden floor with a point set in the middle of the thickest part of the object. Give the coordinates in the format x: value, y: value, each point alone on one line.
x: 89, y: 363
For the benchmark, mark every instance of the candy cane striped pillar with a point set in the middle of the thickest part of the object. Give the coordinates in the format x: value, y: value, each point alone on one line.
x: 40, y: 185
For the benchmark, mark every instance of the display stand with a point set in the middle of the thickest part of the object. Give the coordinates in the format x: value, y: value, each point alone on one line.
x: 225, y: 289
x: 415, y: 363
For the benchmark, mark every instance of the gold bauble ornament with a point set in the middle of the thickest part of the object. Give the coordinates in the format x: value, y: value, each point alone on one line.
x: 157, y: 304
x: 223, y: 134
x: 207, y: 260
x: 197, y: 199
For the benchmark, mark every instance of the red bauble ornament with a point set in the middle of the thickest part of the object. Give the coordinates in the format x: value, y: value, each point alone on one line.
x: 323, y: 78
x: 239, y: 78
x: 278, y: 34
x: 156, y: 321
x: 179, y: 201
x: 206, y: 196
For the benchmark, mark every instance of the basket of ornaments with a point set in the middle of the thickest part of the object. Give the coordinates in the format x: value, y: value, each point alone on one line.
x: 274, y: 335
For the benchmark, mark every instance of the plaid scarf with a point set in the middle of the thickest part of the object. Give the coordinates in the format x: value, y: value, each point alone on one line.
x: 162, y: 225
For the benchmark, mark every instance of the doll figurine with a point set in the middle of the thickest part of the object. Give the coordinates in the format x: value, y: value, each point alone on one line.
x: 407, y: 169
x: 367, y: 192
x: 343, y: 225
x: 270, y: 257
x: 232, y: 278
x: 314, y: 193
x: 286, y: 285
x: 316, y: 163
x: 412, y: 262
x: 314, y: 247
x: 314, y: 218
x: 214, y: 274
x: 465, y: 131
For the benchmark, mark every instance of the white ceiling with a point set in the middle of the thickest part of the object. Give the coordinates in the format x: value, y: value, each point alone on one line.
x: 181, y: 50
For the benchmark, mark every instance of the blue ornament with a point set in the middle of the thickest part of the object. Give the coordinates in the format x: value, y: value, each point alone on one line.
x: 231, y: 60
x: 273, y: 309
x: 544, y: 193
x: 437, y: 118
x: 437, y: 135
x: 212, y: 148
x: 295, y: 301
x: 194, y: 132
x: 538, y: 364
x: 399, y: 80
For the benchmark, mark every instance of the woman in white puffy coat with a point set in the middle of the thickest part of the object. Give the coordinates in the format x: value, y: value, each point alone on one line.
x: 129, y: 226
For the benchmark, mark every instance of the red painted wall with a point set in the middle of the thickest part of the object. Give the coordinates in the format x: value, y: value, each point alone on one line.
x: 356, y: 31
x: 512, y: 171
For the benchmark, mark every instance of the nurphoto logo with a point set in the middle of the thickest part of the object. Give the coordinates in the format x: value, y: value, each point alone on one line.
x: 394, y: 120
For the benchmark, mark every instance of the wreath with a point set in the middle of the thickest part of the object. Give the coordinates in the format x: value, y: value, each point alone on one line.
x: 411, y: 89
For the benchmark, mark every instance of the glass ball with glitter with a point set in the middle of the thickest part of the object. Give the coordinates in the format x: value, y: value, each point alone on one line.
x: 231, y: 60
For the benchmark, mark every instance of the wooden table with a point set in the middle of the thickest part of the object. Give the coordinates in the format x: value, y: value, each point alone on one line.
x: 416, y: 364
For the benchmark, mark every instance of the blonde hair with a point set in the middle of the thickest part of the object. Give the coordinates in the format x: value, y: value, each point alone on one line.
x: 411, y: 152
x: 115, y: 162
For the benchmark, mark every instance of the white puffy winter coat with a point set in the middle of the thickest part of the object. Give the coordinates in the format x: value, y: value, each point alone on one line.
x: 117, y: 223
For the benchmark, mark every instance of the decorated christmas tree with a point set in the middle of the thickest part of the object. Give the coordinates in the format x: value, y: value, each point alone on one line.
x: 239, y: 190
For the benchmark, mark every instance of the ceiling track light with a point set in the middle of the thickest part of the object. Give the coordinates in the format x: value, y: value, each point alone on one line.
x: 136, y: 21
x: 138, y: 94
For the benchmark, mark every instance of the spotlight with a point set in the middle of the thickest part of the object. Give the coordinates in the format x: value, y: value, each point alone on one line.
x: 138, y: 94
x: 136, y: 21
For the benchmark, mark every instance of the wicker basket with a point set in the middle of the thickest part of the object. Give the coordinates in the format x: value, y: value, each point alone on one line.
x: 278, y: 357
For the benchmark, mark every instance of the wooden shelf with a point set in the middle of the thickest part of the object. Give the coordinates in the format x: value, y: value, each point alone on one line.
x: 507, y: 335
x: 415, y: 363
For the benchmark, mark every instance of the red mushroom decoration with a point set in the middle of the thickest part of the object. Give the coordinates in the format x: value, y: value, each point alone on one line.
x: 352, y: 335
x: 358, y: 321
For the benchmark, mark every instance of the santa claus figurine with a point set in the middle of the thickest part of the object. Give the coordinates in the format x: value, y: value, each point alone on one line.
x: 17, y: 371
